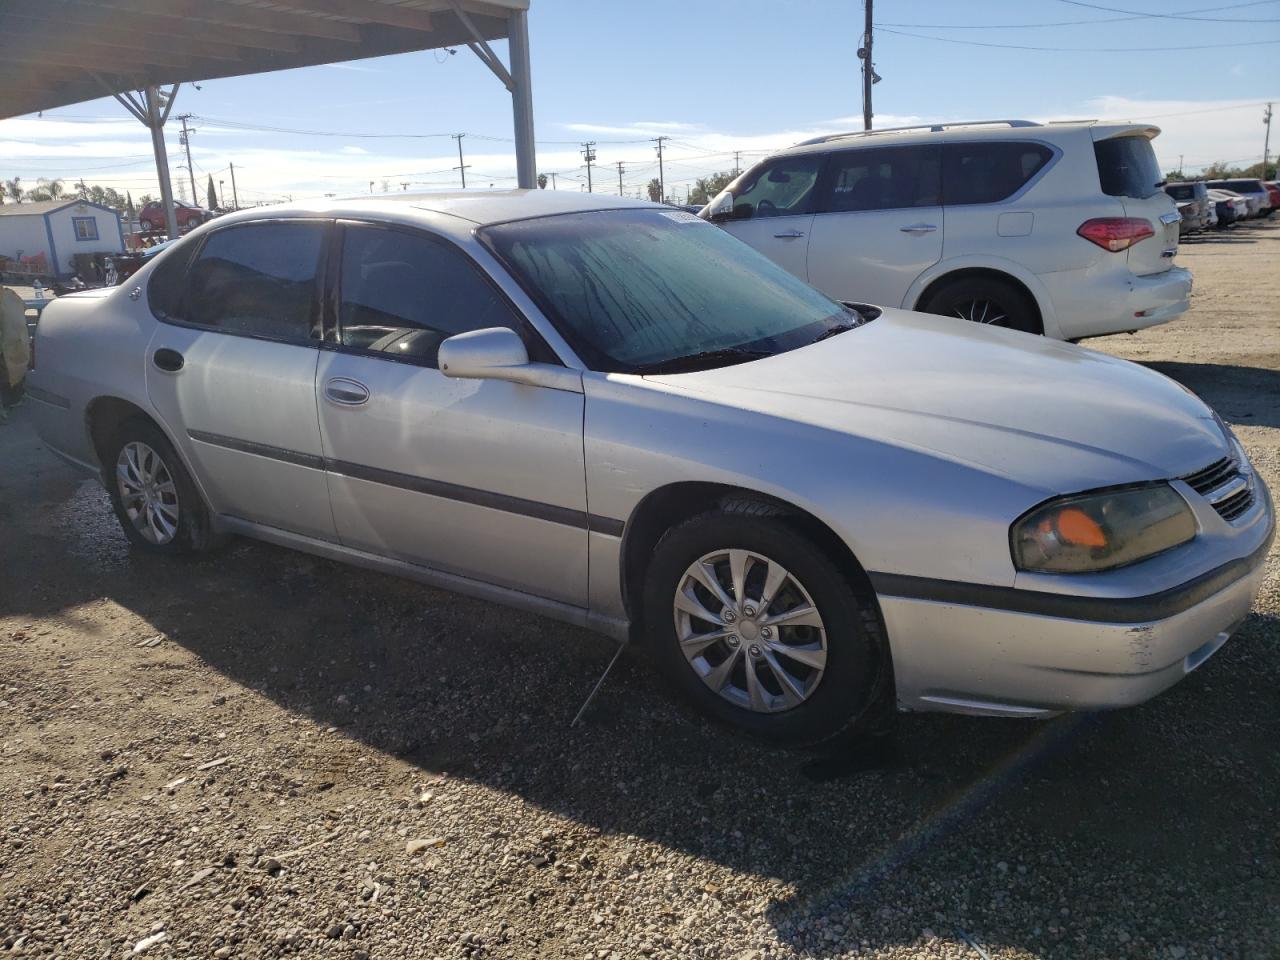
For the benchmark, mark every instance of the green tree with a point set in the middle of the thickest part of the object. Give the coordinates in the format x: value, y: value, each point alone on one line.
x: 97, y: 194
x: 14, y: 189
x: 542, y: 181
x: 707, y: 187
x: 655, y: 190
x: 213, y: 195
x: 145, y: 199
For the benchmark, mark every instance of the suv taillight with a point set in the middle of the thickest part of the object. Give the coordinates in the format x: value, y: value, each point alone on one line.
x: 1116, y: 233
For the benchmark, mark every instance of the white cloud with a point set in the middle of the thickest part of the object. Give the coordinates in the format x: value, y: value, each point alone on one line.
x: 355, y: 151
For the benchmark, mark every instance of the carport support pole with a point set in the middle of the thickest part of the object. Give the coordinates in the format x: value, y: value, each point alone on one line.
x: 155, y: 120
x: 522, y: 100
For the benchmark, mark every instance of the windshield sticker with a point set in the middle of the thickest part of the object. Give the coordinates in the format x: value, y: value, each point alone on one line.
x: 680, y: 216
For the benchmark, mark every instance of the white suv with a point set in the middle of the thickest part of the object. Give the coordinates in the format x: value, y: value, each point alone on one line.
x: 1061, y: 229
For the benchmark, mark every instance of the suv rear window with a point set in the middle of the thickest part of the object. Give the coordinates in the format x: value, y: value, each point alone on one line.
x: 1240, y: 186
x: 1181, y: 191
x: 1127, y: 167
x: 989, y: 172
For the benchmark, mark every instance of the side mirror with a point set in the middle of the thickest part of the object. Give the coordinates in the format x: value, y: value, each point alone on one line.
x: 498, y: 353
x: 482, y: 354
x: 721, y: 208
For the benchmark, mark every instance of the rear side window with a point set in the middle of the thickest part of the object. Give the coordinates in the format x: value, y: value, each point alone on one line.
x: 1127, y: 167
x: 780, y: 188
x: 883, y: 179
x: 402, y: 294
x: 989, y: 172
x: 258, y: 279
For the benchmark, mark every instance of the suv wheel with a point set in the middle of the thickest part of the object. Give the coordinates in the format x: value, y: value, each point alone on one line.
x: 985, y: 300
x: 753, y: 624
x: 154, y: 498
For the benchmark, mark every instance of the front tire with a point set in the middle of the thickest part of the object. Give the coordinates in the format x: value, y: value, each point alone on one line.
x: 988, y: 300
x: 157, y: 503
x: 755, y: 625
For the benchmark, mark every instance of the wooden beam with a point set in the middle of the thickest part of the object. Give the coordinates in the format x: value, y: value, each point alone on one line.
x: 91, y: 61
x: 243, y: 18
x: 34, y: 31
x: 162, y: 25
x: 407, y: 18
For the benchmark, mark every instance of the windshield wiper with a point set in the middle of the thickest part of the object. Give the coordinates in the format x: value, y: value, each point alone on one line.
x: 832, y: 331
x: 703, y: 360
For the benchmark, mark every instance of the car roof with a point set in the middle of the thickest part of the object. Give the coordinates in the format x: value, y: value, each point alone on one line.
x: 970, y: 130
x: 477, y: 207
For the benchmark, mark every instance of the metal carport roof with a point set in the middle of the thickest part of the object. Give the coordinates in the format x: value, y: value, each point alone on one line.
x: 58, y: 52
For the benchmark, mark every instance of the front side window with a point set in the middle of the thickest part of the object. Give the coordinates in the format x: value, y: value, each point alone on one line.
x: 257, y: 279
x: 402, y: 294
x: 885, y: 178
x: 1127, y: 167
x: 634, y: 290
x: 780, y: 188
x: 988, y: 172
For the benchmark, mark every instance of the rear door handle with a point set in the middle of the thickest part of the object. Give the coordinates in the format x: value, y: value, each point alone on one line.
x: 919, y: 228
x: 352, y: 393
x: 170, y: 361
x: 789, y: 235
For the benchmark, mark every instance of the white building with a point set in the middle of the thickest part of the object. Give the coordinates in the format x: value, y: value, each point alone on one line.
x: 57, y: 230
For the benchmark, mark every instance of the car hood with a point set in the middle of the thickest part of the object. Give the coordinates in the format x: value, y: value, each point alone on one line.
x: 1037, y: 411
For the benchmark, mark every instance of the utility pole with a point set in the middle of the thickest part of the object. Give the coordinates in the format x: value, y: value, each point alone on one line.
x: 222, y: 195
x: 185, y: 140
x: 662, y: 180
x: 868, y: 74
x: 461, y: 166
x: 620, y: 177
x: 404, y: 185
x: 1266, y: 144
x: 553, y: 181
x: 235, y: 197
x: 589, y: 153
x: 737, y: 164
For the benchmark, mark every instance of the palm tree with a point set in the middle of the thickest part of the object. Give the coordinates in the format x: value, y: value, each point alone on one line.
x: 52, y: 187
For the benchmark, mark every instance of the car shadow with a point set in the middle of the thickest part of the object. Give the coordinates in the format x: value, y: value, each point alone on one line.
x: 977, y: 823
x: 1245, y: 396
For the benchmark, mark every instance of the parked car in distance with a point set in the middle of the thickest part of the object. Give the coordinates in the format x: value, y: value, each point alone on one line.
x: 1192, y: 198
x: 122, y: 266
x: 1062, y: 229
x: 1252, y: 190
x: 1273, y: 191
x: 1231, y: 207
x: 151, y: 216
x: 614, y: 413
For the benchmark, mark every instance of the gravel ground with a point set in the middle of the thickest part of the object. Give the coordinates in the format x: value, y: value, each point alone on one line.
x: 260, y: 754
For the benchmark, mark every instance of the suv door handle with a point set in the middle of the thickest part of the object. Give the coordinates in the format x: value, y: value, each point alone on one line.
x: 352, y: 393
x: 170, y: 361
x: 919, y: 228
x: 789, y: 235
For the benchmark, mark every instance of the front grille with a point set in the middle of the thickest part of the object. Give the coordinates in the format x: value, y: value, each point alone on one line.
x: 1212, y: 482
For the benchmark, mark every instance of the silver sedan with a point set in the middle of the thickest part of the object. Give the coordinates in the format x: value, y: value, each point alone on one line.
x: 615, y: 414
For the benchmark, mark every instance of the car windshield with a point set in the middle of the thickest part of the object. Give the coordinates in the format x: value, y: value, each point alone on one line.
x: 645, y: 290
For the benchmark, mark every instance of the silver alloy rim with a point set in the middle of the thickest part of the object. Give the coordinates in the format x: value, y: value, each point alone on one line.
x: 750, y: 630
x: 147, y: 492
x: 980, y: 311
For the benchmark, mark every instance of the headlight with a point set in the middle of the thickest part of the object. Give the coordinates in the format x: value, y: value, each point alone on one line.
x: 1100, y: 531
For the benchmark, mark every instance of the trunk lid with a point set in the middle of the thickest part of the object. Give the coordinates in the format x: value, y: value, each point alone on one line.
x: 1128, y: 171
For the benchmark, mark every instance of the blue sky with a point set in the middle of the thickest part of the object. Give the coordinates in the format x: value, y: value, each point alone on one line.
x: 714, y: 75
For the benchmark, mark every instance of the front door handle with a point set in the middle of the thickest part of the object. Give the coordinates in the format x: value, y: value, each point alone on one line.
x: 170, y: 361
x: 789, y: 235
x: 919, y: 228
x: 352, y: 393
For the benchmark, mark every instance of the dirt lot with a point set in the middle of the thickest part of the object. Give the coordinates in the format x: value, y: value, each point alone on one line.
x: 258, y: 754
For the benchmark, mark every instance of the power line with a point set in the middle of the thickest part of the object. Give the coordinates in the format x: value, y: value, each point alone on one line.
x: 1164, y: 16
x: 1015, y: 46
x: 1181, y: 15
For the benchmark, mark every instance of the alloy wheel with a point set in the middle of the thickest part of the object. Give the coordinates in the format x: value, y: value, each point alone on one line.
x: 750, y: 630
x: 981, y: 311
x: 148, y: 492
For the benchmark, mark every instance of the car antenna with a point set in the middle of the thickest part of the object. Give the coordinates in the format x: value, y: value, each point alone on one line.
x: 622, y: 645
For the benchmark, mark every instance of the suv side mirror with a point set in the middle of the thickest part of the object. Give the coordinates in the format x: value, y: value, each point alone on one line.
x: 498, y: 353
x: 720, y: 208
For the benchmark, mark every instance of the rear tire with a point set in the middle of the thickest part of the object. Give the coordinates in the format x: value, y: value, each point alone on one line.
x: 744, y: 676
x: 985, y: 300
x: 154, y: 498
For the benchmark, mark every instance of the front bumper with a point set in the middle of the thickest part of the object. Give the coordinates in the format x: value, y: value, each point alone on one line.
x: 1016, y: 660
